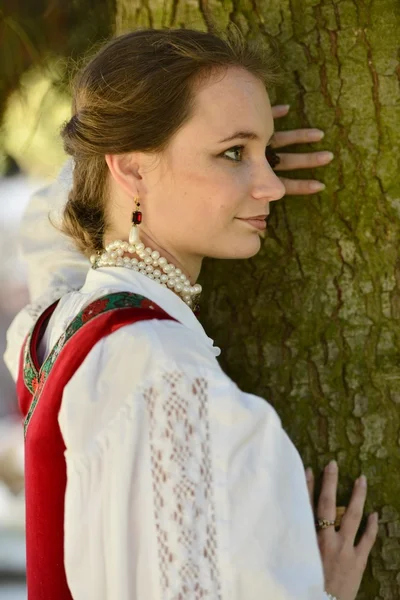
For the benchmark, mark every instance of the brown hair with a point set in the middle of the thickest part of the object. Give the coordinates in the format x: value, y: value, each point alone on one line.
x: 133, y: 95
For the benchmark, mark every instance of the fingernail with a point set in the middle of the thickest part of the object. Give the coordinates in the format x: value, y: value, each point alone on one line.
x: 375, y: 517
x: 309, y: 474
x: 324, y: 157
x: 317, y: 186
x: 362, y: 481
x: 315, y: 135
x: 282, y: 107
x: 332, y: 466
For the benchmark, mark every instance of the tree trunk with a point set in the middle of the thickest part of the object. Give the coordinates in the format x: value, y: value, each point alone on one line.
x: 317, y: 313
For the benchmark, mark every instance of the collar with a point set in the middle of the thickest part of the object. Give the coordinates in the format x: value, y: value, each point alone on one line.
x: 120, y: 279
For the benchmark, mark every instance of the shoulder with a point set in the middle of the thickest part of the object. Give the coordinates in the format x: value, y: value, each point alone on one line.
x: 155, y: 359
x: 121, y: 365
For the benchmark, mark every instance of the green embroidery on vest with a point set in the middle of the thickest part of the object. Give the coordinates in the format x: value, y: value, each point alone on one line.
x: 35, y: 380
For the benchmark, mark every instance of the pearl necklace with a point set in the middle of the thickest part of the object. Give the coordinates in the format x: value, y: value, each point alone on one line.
x: 151, y: 264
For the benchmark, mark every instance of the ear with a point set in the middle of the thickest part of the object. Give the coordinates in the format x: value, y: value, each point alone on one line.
x: 124, y: 169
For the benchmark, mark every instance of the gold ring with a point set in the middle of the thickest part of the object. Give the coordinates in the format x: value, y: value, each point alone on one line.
x: 323, y: 524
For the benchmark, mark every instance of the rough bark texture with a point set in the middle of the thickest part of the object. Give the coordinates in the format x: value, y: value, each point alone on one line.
x: 313, y: 322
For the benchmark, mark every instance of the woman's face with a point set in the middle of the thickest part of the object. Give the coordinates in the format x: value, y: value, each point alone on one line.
x: 195, y: 196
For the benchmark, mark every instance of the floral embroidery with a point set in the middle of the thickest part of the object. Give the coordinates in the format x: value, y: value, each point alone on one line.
x: 34, y: 379
x: 97, y: 307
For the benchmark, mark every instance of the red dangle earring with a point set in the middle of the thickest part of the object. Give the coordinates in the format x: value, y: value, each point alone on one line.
x: 136, y: 220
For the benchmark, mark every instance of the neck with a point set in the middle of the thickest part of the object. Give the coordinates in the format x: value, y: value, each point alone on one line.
x: 189, y: 266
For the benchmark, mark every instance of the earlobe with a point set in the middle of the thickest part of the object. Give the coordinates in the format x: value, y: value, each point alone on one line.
x: 125, y: 171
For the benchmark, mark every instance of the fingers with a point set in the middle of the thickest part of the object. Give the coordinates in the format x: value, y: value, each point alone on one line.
x: 296, y: 136
x: 280, y: 110
x: 307, y: 160
x: 327, y: 499
x: 310, y: 485
x: 352, y: 517
x: 301, y: 187
x: 368, y: 539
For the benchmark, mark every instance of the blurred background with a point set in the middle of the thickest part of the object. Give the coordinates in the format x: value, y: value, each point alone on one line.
x: 42, y: 43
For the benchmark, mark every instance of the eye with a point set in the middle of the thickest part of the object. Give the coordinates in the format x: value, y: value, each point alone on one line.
x: 236, y: 151
x: 272, y: 157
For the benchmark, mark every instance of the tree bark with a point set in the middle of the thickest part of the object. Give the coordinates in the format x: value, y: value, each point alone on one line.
x: 316, y: 313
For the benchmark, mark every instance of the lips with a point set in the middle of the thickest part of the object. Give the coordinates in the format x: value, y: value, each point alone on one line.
x: 257, y: 218
x: 259, y: 222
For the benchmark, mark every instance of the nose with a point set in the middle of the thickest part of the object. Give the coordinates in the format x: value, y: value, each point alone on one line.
x: 267, y: 185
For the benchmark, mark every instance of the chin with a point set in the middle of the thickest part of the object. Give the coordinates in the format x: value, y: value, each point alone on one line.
x: 246, y: 249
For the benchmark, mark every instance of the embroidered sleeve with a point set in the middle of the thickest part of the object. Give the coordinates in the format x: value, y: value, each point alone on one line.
x: 182, y: 478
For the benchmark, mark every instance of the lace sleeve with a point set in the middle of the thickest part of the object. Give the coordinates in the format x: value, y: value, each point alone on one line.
x: 182, y: 485
x: 193, y: 483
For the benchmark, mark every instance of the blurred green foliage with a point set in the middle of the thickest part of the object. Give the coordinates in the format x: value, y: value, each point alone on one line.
x: 39, y: 41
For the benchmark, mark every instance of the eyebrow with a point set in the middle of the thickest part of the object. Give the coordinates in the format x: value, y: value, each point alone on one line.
x: 244, y: 135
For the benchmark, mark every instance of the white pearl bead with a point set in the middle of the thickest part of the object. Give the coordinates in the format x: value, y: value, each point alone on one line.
x: 167, y: 275
x: 134, y: 235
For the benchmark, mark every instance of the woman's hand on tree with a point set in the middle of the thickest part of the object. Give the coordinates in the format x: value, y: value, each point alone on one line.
x: 295, y: 161
x: 344, y: 563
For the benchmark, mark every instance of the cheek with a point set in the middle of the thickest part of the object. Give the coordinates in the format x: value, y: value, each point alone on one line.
x: 200, y: 195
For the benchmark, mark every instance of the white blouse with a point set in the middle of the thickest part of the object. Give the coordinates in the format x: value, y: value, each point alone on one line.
x: 179, y: 485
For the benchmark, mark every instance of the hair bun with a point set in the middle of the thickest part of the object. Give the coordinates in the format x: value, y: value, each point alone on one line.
x: 71, y: 125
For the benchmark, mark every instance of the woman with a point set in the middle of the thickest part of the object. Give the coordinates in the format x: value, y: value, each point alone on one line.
x: 177, y: 484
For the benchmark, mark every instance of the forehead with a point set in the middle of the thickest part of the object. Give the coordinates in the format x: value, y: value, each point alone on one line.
x: 230, y: 101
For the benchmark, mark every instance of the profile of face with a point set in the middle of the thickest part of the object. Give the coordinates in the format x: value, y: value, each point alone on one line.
x: 197, y: 194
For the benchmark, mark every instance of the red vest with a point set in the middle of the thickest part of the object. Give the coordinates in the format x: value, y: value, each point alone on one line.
x: 40, y: 389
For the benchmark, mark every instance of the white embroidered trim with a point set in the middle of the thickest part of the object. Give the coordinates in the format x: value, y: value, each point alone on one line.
x: 58, y: 289
x: 182, y: 485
